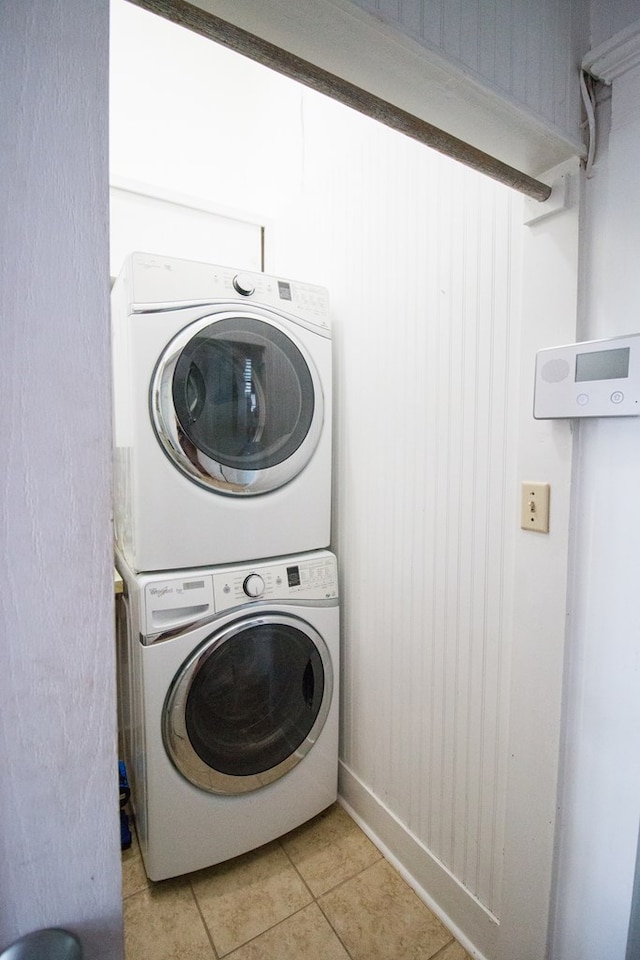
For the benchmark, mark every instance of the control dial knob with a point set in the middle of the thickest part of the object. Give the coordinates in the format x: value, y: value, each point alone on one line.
x: 244, y: 284
x: 253, y: 586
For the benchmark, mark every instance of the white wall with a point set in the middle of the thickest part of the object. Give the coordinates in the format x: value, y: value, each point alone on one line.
x: 452, y: 664
x: 601, y: 793
x: 540, y: 575
x: 199, y: 125
x: 59, y: 833
x: 151, y: 219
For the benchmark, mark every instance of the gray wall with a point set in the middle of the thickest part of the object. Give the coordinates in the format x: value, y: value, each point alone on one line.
x: 59, y: 842
x: 609, y: 18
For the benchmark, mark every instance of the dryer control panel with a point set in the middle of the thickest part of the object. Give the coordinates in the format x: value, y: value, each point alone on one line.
x: 153, y: 280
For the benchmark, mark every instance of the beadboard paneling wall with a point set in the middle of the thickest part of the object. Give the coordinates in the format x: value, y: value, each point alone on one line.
x: 421, y: 258
x: 421, y: 527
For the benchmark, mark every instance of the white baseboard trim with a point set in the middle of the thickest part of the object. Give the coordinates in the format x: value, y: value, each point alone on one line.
x: 473, y: 926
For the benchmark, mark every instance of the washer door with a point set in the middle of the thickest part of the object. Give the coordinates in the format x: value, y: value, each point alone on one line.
x: 236, y: 403
x: 249, y: 704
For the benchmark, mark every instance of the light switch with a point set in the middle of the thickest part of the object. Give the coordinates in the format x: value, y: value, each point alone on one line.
x: 534, y: 506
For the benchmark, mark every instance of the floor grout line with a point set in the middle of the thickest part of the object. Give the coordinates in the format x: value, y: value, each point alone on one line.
x: 274, y: 926
x: 328, y: 919
x: 358, y: 873
x: 442, y: 949
x: 286, y: 853
x: 216, y: 955
x: 316, y: 899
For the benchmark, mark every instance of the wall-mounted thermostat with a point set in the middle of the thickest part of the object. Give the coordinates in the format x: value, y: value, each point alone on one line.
x: 598, y: 378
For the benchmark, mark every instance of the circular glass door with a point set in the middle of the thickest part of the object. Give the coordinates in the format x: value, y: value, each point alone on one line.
x: 249, y: 704
x: 236, y: 404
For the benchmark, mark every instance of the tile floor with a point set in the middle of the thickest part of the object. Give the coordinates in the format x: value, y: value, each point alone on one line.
x: 322, y: 892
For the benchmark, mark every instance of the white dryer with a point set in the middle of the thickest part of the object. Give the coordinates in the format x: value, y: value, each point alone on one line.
x: 222, y: 412
x: 229, y: 683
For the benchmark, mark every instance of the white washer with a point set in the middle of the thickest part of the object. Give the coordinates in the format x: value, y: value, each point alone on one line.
x: 222, y: 413
x: 229, y: 695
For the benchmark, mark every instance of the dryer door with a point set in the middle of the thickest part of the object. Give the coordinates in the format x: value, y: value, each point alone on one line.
x: 249, y: 704
x: 237, y: 404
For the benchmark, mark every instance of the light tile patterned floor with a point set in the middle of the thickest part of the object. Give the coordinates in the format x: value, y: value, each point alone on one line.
x: 323, y: 891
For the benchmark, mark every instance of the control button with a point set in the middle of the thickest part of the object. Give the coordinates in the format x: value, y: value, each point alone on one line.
x: 617, y: 396
x: 582, y: 399
x: 253, y: 586
x: 244, y: 284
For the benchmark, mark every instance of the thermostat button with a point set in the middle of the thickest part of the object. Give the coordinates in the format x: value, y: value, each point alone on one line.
x: 582, y: 399
x: 617, y: 396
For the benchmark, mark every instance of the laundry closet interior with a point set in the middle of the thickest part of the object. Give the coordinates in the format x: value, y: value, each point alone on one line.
x: 446, y: 675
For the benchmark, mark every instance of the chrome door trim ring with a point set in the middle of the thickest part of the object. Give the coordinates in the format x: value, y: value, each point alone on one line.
x: 174, y: 732
x: 209, y: 473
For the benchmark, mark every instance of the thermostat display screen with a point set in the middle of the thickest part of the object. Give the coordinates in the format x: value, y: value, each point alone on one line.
x: 603, y: 365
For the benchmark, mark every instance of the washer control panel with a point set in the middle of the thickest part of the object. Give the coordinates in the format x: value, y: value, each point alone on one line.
x: 173, y: 602
x: 299, y: 578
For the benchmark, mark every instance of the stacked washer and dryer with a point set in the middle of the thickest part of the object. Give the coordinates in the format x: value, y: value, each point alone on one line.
x: 228, y: 643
